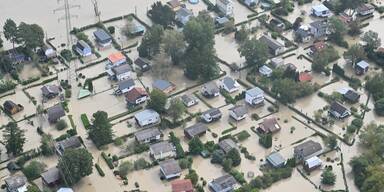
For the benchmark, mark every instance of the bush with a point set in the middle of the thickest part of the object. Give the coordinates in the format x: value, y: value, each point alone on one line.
x: 357, y: 122
x: 33, y: 170
x: 61, y: 125
x: 99, y: 170
x: 66, y: 54
x: 141, y: 164
x: 111, y: 29
x: 266, y: 140
x: 118, y: 141
x: 108, y: 160
x: 238, y: 176
x: 243, y: 135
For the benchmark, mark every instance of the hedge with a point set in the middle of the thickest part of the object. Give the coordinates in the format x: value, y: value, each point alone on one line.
x: 99, y: 170
x: 137, y: 108
x: 108, y: 160
x: 85, y: 120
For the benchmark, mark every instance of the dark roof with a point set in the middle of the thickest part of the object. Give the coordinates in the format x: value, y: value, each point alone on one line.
x: 135, y: 93
x: 211, y: 88
x: 184, y: 12
x: 319, y: 24
x: 239, y: 110
x: 71, y: 142
x: 196, y: 129
x: 144, y: 64
x: 352, y: 96
x: 229, y: 82
x: 270, y: 42
x: 56, y: 112
x: 52, y: 175
x: 227, y: 144
x: 14, y: 182
x: 170, y: 167
x: 101, y: 35
x: 337, y: 107
x: 121, y: 69
x: 223, y: 182
x: 50, y: 89
x: 307, y: 148
x: 162, y: 84
x: 146, y: 134
x: 125, y: 84
x: 212, y: 112
x: 302, y: 32
x: 187, y: 98
x: 9, y: 105
x: 82, y: 45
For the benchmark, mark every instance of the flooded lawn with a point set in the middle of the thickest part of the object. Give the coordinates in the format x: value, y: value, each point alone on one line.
x: 121, y: 38
x: 22, y: 99
x: 295, y: 181
x: 206, y: 170
x: 240, y: 12
x: 226, y: 49
x: 29, y: 71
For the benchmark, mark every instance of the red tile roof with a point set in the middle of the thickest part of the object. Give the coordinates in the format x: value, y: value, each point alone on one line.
x: 115, y: 57
x: 182, y: 185
x: 135, y: 93
x: 305, y: 76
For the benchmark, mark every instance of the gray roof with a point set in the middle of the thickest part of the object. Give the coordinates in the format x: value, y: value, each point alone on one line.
x: 211, y: 88
x: 187, y: 98
x: 212, y: 112
x: 161, y: 147
x: 101, y: 35
x: 147, y: 133
x: 184, y: 12
x: 319, y: 24
x: 69, y: 143
x: 50, y: 89
x: 222, y: 20
x: 337, y: 107
x: 161, y: 84
x: 276, y: 159
x: 239, y: 110
x: 229, y: 82
x: 307, y: 148
x: 270, y: 42
x: 55, y: 112
x: 302, y: 33
x: 127, y: 83
x: 222, y: 183
x: 145, y: 114
x: 122, y: 69
x: 270, y: 125
x: 170, y: 167
x: 254, y: 92
x: 82, y: 45
x: 227, y: 144
x: 196, y: 129
x: 52, y: 175
x: 14, y: 182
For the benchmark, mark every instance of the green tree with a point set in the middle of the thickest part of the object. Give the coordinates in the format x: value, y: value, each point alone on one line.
x: 14, y: 138
x: 227, y: 164
x: 161, y: 14
x: 101, y: 130
x: 372, y: 41
x: 157, y: 101
x: 328, y: 177
x: 355, y: 53
x: 234, y: 155
x: 1, y: 42
x: 255, y: 52
x: 174, y: 45
x: 88, y: 84
x: 162, y: 66
x: 33, y: 188
x: 176, y: 109
x: 375, y: 180
x: 241, y: 35
x: 47, y: 145
x: 331, y: 141
x: 11, y: 32
x: 217, y: 157
x: 354, y: 28
x: 61, y: 124
x: 75, y: 164
x: 195, y: 146
x: 192, y: 175
x: 5, y: 64
x: 375, y: 86
x: 266, y: 140
x: 31, y: 35
x: 379, y: 107
x: 337, y: 29
x: 33, y: 169
x: 125, y: 168
x: 150, y: 44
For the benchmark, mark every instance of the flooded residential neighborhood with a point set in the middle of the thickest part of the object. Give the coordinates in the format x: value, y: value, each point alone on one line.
x: 191, y: 95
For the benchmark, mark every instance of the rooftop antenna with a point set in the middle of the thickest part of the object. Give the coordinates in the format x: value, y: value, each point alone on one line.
x: 96, y: 9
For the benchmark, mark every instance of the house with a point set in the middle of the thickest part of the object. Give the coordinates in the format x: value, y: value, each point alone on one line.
x: 238, y: 112
x: 124, y: 86
x: 274, y: 46
x: 227, y: 144
x: 51, y: 177
x: 305, y: 76
x: 277, y: 24
x: 68, y: 143
x: 120, y: 72
x: 50, y: 91
x: 365, y: 9
x: 251, y: 3
x: 49, y: 52
x: 170, y: 169
x: 319, y: 28
x: 254, y: 96
x: 210, y: 90
x: 16, y: 183
x: 147, y: 117
x: 361, y: 67
x: 143, y: 64
x: 320, y: 10
x: 265, y: 71
x: 277, y: 62
x: 221, y: 21
x: 312, y: 163
x: 225, y: 7
x: 136, y: 96
x: 137, y: 29
x: 162, y: 150
x: 269, y: 125
x: 225, y: 183
x: 211, y: 115
x: 183, y: 15
x: 65, y: 189
x: 182, y: 185
x: 307, y: 150
x: 164, y: 86
x: 338, y: 111
x: 83, y: 49
x: 103, y: 39
x: 55, y: 113
x: 115, y: 59
x: 175, y: 5
x: 189, y: 100
x: 148, y: 135
x: 347, y: 16
x: 12, y: 108
x: 351, y: 96
x: 229, y: 84
x: 276, y: 160
x: 303, y: 34
x: 195, y: 130
x: 318, y: 46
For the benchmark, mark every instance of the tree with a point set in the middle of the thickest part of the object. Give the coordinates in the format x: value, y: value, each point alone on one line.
x: 371, y: 138
x: 101, y: 130
x: 130, y: 26
x: 372, y: 41
x: 241, y: 35
x: 125, y: 168
x: 234, y: 155
x: 141, y: 163
x: 1, y: 42
x: 5, y: 64
x: 379, y: 107
x: 337, y: 30
x: 61, y: 124
x: 174, y: 45
x: 217, y: 157
x: 192, y: 175
x: 375, y: 181
x: 255, y: 52
x: 150, y: 44
x: 11, y: 32
x: 319, y: 62
x: 375, y: 86
x: 157, y: 101
x: 227, y: 164
x: 354, y: 28
x: 195, y: 146
x: 266, y: 140
x: 176, y: 109
x: 75, y: 164
x: 47, y: 147
x: 33, y: 188
x: 31, y: 35
x: 88, y: 84
x: 161, y: 14
x: 14, y: 138
x: 328, y: 177
x: 33, y: 169
x: 162, y: 66
x: 331, y: 142
x: 355, y: 53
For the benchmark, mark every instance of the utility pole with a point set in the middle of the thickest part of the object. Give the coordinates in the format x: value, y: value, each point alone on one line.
x: 96, y: 9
